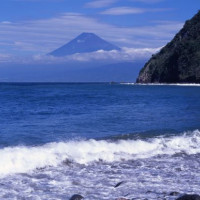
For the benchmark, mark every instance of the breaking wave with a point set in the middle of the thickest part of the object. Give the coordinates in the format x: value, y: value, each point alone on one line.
x: 23, y: 159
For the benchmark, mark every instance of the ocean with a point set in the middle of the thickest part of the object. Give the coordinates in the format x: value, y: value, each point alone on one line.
x: 102, y: 141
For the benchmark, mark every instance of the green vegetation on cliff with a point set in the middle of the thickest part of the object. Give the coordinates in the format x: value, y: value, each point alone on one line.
x: 179, y: 60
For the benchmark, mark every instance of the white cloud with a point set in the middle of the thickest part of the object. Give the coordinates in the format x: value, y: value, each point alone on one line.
x: 5, y: 58
x: 131, y: 10
x: 148, y: 1
x: 126, y: 54
x: 43, y: 36
x: 123, y: 11
x: 100, y: 3
x: 5, y: 22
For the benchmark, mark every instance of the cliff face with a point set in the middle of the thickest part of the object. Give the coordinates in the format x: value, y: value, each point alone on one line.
x: 179, y: 60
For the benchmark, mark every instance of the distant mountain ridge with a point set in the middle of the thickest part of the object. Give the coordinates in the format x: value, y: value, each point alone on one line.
x: 179, y: 60
x: 84, y: 43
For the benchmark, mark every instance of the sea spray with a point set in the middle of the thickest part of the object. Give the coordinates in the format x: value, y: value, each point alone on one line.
x: 23, y: 159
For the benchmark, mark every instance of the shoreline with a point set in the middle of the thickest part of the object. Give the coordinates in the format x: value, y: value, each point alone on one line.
x: 163, y: 84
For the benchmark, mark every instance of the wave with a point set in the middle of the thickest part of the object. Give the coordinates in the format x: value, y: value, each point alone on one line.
x: 22, y: 159
x: 164, y: 84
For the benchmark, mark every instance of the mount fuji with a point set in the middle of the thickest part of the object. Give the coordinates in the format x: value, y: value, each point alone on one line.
x: 84, y: 43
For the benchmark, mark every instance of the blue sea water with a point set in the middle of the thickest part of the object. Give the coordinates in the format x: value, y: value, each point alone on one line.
x: 37, y: 113
x: 57, y: 139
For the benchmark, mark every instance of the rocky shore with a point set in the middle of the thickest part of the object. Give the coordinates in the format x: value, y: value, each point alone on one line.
x: 165, y: 196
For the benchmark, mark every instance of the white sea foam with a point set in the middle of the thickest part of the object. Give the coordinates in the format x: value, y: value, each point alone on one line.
x: 24, y: 159
x: 164, y: 84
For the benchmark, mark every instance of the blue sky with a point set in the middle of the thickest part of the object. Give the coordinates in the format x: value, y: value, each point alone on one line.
x: 36, y: 27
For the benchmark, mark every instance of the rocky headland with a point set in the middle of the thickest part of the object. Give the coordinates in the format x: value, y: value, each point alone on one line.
x: 179, y: 60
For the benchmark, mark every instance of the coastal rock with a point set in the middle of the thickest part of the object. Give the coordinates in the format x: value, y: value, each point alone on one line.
x: 76, y: 197
x: 189, y: 197
x: 174, y: 193
x: 179, y: 60
x: 118, y: 184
